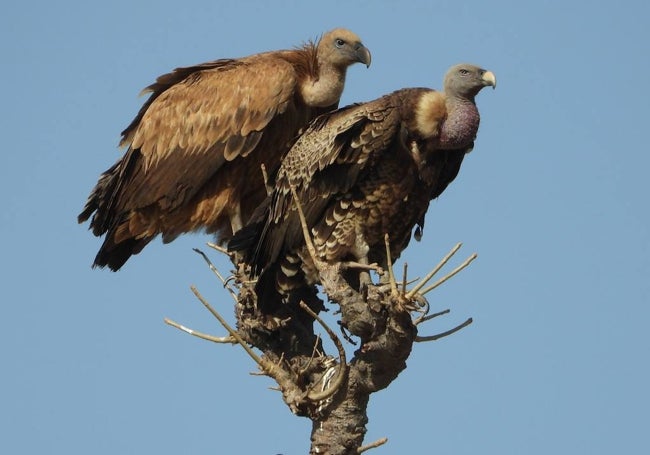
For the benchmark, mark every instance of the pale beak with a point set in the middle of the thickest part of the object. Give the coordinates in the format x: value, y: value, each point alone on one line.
x: 490, y: 79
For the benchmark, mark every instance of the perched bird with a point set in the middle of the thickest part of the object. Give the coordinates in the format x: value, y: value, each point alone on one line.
x: 196, y: 149
x: 361, y: 172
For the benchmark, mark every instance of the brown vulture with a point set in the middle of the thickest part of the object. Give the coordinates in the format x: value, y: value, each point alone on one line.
x: 197, y: 146
x: 360, y: 172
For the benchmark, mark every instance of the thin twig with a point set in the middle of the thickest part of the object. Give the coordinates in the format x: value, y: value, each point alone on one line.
x: 265, y: 175
x: 305, y: 229
x: 406, y: 266
x: 435, y: 270
x: 233, y: 332
x: 343, y: 365
x: 428, y: 317
x: 280, y: 360
x: 420, y: 339
x: 217, y: 273
x: 372, y: 445
x: 205, y: 336
x: 389, y: 264
x: 219, y: 248
x: 313, y: 355
x: 467, y: 262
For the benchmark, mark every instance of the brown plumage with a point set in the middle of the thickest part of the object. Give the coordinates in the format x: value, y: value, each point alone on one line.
x: 360, y: 172
x: 197, y: 145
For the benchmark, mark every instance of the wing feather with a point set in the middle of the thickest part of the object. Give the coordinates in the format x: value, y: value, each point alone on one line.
x: 196, y: 125
x: 325, y: 161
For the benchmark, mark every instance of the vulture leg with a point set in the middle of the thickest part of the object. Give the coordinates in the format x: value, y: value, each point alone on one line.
x: 236, y: 224
x: 385, y: 278
x: 360, y: 251
x: 365, y: 268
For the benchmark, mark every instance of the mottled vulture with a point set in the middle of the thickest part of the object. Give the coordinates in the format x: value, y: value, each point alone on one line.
x: 197, y: 145
x: 360, y: 172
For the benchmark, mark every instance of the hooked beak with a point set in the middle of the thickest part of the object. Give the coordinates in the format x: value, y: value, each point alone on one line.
x: 363, y: 54
x: 490, y: 79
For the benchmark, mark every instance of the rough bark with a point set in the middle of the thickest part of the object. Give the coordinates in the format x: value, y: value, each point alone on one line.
x: 328, y: 389
x: 375, y: 365
x: 378, y: 317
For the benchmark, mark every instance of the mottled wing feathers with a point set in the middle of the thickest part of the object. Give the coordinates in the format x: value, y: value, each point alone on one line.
x: 325, y: 161
x: 163, y: 83
x: 329, y: 154
x: 193, y: 127
x: 361, y: 173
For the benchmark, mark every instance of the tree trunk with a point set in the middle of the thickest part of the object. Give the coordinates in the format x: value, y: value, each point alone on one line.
x: 330, y: 390
x: 381, y: 321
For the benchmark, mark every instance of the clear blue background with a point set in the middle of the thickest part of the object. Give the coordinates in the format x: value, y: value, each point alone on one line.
x: 553, y: 199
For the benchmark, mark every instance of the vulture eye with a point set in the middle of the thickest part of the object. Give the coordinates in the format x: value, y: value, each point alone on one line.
x: 464, y: 72
x: 339, y: 42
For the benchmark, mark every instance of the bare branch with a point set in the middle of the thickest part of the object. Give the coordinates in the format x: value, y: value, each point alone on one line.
x: 305, y: 229
x: 263, y: 364
x: 217, y: 273
x: 205, y: 336
x: 219, y: 248
x: 313, y: 355
x: 435, y: 270
x: 467, y: 262
x: 265, y: 176
x: 280, y: 360
x: 377, y: 443
x: 420, y: 339
x: 312, y: 383
x: 343, y: 365
x: 428, y: 317
x: 389, y: 264
x: 257, y: 373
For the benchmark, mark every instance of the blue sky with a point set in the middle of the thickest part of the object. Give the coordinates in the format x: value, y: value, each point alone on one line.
x: 553, y: 199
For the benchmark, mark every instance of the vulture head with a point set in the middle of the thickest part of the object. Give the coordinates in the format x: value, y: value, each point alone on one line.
x: 465, y: 80
x: 342, y: 48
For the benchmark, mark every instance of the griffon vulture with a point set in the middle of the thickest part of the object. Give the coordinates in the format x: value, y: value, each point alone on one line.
x: 360, y: 172
x: 197, y: 146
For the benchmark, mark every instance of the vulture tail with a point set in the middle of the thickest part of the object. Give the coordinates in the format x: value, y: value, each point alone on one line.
x: 114, y: 256
x: 276, y: 296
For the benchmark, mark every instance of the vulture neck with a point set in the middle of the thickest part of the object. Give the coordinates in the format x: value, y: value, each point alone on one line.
x: 324, y: 89
x: 461, y: 125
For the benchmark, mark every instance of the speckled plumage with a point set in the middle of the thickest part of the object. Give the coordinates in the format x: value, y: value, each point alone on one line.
x: 360, y: 172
